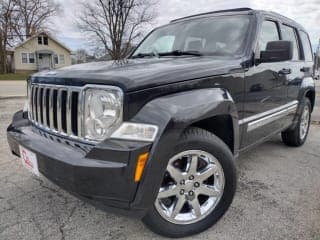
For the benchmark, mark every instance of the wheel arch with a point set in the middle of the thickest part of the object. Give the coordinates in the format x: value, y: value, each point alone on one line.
x: 311, y: 95
x: 221, y: 126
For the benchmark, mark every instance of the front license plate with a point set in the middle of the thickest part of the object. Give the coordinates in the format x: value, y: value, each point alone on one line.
x: 29, y: 160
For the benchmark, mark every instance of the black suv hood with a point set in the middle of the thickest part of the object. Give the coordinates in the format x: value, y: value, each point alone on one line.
x: 137, y: 74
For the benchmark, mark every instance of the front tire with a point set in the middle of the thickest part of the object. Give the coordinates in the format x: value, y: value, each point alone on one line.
x: 296, y: 137
x: 198, y: 186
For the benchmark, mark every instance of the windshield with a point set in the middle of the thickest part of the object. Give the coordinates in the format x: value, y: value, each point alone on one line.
x: 220, y: 36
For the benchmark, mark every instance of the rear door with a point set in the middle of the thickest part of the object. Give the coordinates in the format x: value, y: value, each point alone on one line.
x: 266, y: 90
x: 303, y: 69
x: 296, y: 65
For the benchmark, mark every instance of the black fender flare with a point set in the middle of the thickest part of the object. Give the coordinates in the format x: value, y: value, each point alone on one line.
x: 307, y: 85
x: 173, y: 114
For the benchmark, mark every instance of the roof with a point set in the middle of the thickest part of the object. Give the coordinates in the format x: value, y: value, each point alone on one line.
x: 233, y: 10
x: 243, y: 11
x: 43, y: 33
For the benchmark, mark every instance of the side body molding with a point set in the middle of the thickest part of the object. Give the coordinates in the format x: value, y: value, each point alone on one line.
x: 173, y: 114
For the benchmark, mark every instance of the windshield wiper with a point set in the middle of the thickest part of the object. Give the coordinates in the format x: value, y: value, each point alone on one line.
x: 181, y: 53
x: 142, y: 55
x: 172, y: 53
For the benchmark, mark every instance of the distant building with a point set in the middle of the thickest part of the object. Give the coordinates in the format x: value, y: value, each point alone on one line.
x: 40, y: 52
x: 82, y: 56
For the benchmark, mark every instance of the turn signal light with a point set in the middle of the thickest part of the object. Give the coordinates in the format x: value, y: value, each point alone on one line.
x: 142, y: 160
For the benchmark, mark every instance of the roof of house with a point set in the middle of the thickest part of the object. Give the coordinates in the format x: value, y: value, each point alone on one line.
x: 46, y: 34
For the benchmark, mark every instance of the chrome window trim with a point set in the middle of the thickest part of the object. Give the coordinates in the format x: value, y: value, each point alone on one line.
x: 267, y: 117
x: 69, y: 89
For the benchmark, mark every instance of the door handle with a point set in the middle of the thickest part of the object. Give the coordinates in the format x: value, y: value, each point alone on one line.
x: 285, y: 71
x: 305, y: 69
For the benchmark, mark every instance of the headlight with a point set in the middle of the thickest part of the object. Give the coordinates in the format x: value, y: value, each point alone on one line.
x: 102, y: 112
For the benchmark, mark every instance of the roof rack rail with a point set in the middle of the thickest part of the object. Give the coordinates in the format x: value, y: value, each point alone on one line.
x: 219, y: 11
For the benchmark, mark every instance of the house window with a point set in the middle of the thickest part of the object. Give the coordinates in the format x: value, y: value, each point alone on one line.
x: 56, y: 59
x: 61, y: 59
x: 24, y: 57
x: 31, y: 58
x: 43, y: 40
x: 28, y: 58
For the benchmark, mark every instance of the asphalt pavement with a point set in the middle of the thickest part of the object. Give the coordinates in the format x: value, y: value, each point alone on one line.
x: 278, y: 197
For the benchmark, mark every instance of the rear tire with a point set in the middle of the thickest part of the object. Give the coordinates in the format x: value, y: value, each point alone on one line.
x: 296, y: 137
x: 193, y: 218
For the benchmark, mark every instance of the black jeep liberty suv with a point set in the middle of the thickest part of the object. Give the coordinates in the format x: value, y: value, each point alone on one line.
x: 156, y: 136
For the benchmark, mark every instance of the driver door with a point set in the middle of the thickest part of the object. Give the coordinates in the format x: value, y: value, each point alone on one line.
x: 265, y: 91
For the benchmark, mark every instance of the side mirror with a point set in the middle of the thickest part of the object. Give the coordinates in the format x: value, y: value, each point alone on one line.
x: 277, y: 51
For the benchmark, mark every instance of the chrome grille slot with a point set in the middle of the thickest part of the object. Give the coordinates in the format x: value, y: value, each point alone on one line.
x: 56, y: 108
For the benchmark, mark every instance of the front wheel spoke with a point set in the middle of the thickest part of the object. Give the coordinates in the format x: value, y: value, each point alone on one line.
x: 177, y: 207
x: 208, y: 191
x: 175, y: 173
x: 193, y: 165
x: 167, y: 192
x: 196, y: 207
x: 204, y: 175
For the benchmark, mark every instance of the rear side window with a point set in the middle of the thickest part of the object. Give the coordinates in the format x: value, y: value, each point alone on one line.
x: 289, y: 34
x: 269, y: 32
x: 308, y: 56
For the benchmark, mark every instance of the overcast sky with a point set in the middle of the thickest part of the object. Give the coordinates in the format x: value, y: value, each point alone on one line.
x: 305, y: 12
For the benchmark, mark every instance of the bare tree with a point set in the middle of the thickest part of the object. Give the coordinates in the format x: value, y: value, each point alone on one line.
x: 34, y: 16
x: 115, y: 24
x: 7, y: 10
x: 80, y: 56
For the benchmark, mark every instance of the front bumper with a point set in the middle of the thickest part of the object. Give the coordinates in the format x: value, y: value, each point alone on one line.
x: 102, y: 174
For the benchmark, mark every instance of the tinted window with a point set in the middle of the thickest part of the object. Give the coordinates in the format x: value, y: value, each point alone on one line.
x: 289, y: 34
x: 221, y: 36
x: 269, y: 33
x: 306, y: 46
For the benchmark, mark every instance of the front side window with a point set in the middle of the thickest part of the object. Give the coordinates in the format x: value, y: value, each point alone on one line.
x: 289, y: 34
x: 269, y: 33
x: 24, y: 57
x: 308, y: 56
x: 31, y: 58
x: 218, y: 36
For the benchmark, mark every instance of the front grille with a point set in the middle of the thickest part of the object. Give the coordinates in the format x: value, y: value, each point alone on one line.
x: 56, y: 108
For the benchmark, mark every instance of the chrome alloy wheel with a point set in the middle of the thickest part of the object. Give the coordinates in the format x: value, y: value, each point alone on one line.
x: 304, y: 122
x: 192, y: 187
